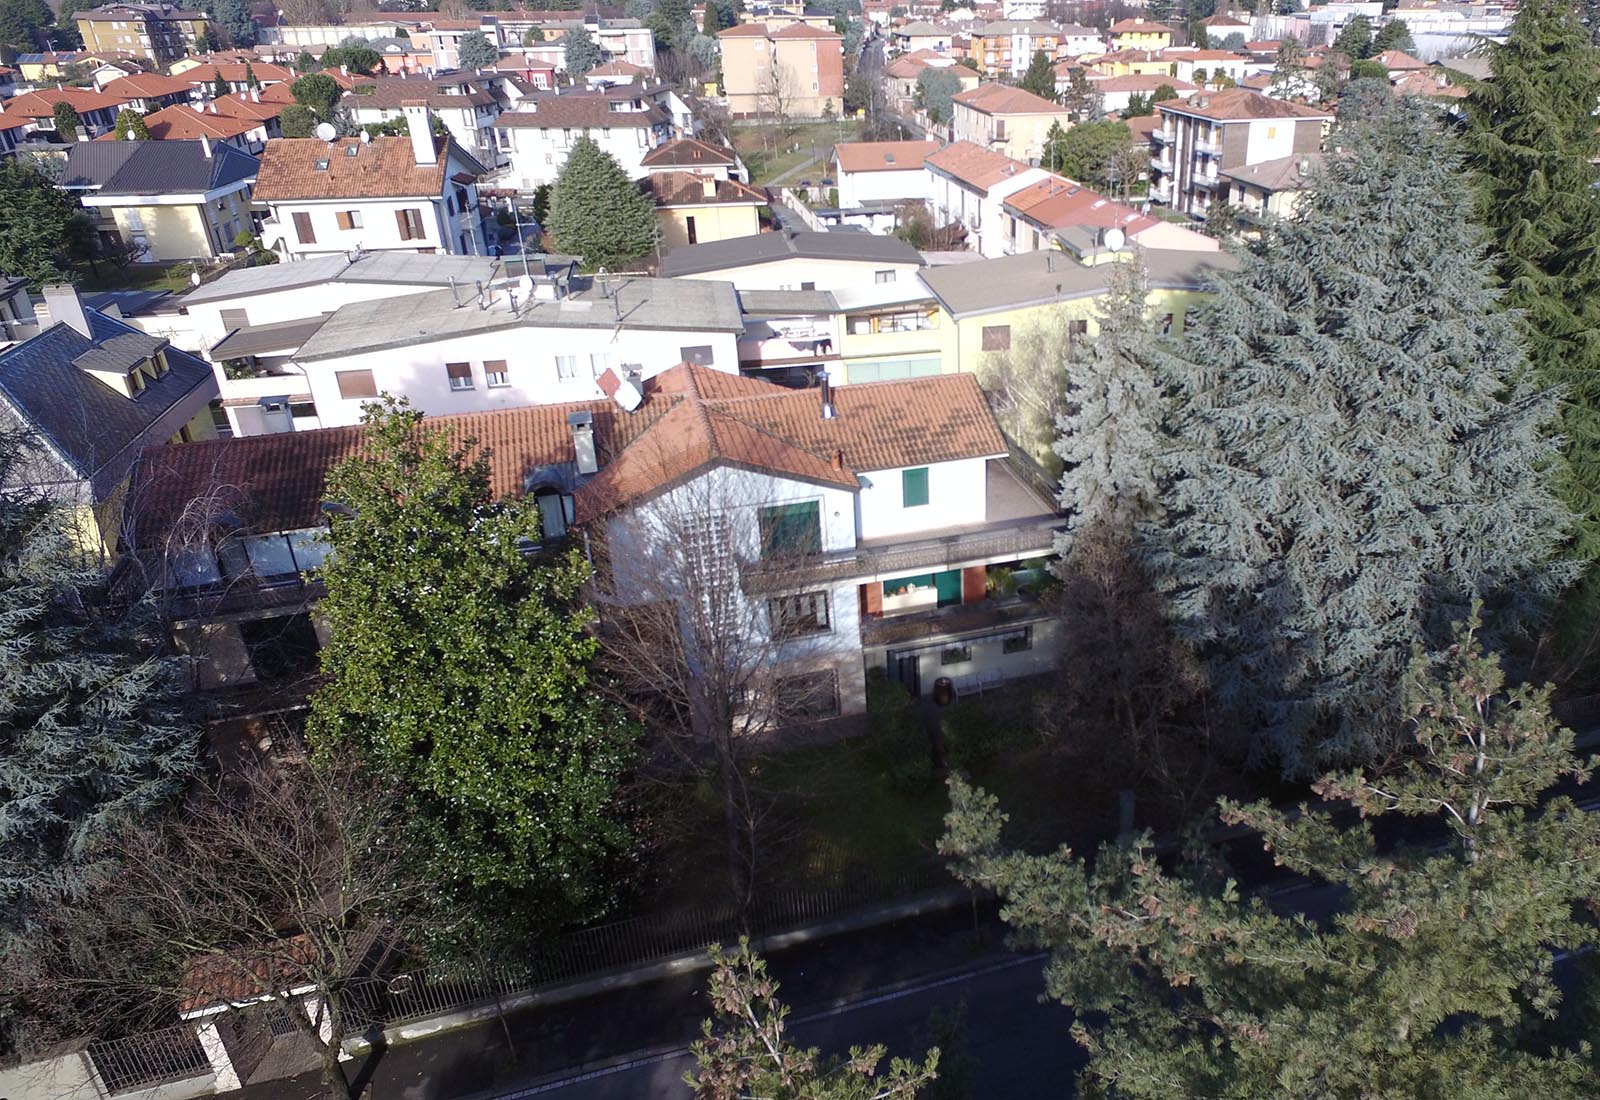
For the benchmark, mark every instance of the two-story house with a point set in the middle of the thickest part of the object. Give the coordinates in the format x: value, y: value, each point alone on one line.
x: 911, y: 37
x: 530, y: 342
x: 168, y: 200
x: 97, y: 112
x: 247, y: 126
x: 873, y: 173
x: 537, y: 137
x: 880, y: 525
x: 1201, y: 137
x: 1044, y: 215
x: 1007, y: 120
x: 148, y: 92
x: 93, y: 393
x: 966, y: 185
x: 1198, y: 66
x: 416, y: 193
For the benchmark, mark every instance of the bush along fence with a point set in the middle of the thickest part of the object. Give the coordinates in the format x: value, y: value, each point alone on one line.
x: 177, y: 1054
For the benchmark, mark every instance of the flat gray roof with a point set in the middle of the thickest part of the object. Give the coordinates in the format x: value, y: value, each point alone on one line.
x: 280, y: 336
x: 1031, y: 278
x: 674, y: 305
x: 774, y: 303
x: 370, y: 267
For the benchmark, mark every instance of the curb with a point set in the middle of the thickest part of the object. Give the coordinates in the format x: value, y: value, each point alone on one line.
x: 945, y: 898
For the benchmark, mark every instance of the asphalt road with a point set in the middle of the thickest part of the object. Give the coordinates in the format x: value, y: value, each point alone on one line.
x: 1016, y: 1046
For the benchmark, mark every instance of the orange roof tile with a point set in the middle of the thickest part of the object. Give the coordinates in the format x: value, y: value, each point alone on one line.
x: 42, y: 104
x: 689, y: 189
x: 1239, y: 104
x: 234, y: 73
x: 802, y: 30
x: 1002, y: 99
x: 182, y: 122
x: 972, y: 164
x: 139, y: 85
x: 883, y: 156
x: 382, y: 168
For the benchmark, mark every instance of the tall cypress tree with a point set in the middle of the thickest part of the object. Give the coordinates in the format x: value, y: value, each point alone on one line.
x: 1354, y: 456
x: 91, y: 731
x: 1531, y: 140
x: 598, y: 212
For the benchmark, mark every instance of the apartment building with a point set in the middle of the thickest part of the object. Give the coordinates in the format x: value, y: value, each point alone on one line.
x: 1140, y: 33
x: 1200, y: 138
x: 417, y: 193
x: 537, y: 137
x: 966, y: 185
x: 464, y: 102
x: 1006, y: 46
x: 1006, y: 120
x: 795, y: 72
x: 158, y: 32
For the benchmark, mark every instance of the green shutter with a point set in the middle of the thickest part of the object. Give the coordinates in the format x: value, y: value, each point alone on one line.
x: 948, y: 585
x: 791, y: 529
x: 914, y: 487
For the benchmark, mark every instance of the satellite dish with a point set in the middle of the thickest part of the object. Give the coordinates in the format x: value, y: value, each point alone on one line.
x: 1115, y: 239
x: 366, y: 137
x: 325, y: 131
x: 194, y: 278
x: 131, y: 136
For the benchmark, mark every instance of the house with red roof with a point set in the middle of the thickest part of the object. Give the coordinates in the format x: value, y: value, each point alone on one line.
x: 966, y: 185
x: 1006, y: 119
x: 1057, y: 212
x: 97, y: 112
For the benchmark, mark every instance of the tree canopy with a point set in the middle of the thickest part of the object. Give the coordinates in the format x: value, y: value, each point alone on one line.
x: 130, y: 126
x: 598, y: 212
x: 43, y: 232
x: 1040, y: 77
x: 1085, y: 151
x: 459, y: 665
x: 1420, y: 969
x: 936, y: 89
x: 581, y: 52
x: 234, y: 18
x: 318, y: 92
x: 477, y: 52
x: 1337, y: 391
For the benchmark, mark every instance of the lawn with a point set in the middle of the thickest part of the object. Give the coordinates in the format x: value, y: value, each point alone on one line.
x: 804, y: 149
x: 171, y: 277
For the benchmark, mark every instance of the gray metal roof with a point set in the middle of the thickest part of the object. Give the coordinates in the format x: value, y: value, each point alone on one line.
x: 674, y: 305
x: 277, y: 337
x: 764, y: 248
x: 1033, y: 278
x: 83, y: 418
x: 154, y: 167
x: 783, y: 303
x: 400, y: 268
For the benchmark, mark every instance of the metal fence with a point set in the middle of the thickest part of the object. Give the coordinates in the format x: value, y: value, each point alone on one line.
x: 150, y: 1058
x: 620, y: 944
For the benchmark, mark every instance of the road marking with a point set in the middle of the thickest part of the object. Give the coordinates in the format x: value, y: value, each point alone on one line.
x: 836, y: 1010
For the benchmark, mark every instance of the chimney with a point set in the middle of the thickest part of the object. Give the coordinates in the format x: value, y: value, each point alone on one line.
x: 582, y: 425
x: 838, y: 460
x: 420, y: 120
x: 828, y: 412
x: 65, y: 306
x: 710, y: 185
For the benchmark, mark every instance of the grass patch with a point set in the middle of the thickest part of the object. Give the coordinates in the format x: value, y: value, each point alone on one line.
x: 170, y: 277
x: 771, y: 150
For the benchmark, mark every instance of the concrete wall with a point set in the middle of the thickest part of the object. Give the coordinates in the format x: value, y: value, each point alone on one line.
x: 711, y: 223
x: 168, y: 232
x: 956, y: 496
x: 861, y: 188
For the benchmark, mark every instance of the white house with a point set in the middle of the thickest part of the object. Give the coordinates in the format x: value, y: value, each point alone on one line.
x: 1077, y: 41
x: 793, y: 260
x: 536, y: 138
x: 534, y: 342
x: 877, y: 526
x: 875, y: 172
x: 464, y: 102
x: 411, y: 194
x: 966, y: 185
x: 1209, y: 133
x: 1196, y: 66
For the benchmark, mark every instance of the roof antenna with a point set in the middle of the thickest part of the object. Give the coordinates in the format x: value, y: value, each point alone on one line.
x: 453, y: 292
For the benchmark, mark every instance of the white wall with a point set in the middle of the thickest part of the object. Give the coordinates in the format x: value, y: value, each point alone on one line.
x: 860, y: 188
x: 536, y: 155
x: 1269, y: 139
x: 789, y: 273
x: 379, y: 231
x: 956, y: 496
x: 530, y: 354
x: 292, y: 304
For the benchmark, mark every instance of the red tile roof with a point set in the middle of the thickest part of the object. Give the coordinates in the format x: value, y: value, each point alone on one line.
x: 182, y: 122
x: 1060, y: 203
x: 688, y: 153
x: 692, y: 417
x: 802, y: 30
x: 140, y: 85
x: 745, y: 30
x: 1139, y: 26
x: 689, y: 189
x: 42, y: 104
x: 1002, y: 99
x: 883, y: 156
x: 1240, y: 104
x: 972, y: 164
x: 383, y: 168
x: 234, y: 73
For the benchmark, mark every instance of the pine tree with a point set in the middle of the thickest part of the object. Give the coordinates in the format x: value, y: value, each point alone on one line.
x: 250, y: 79
x: 712, y: 22
x: 234, y: 15
x: 598, y: 212
x: 92, y: 736
x: 67, y: 121
x: 1354, y: 455
x: 130, y: 126
x: 219, y: 87
x: 44, y: 230
x: 477, y: 52
x: 1107, y: 438
x: 1040, y: 78
x: 1393, y: 35
x: 1531, y: 139
x: 581, y: 52
x: 1355, y: 40
x: 459, y: 667
x: 1419, y: 970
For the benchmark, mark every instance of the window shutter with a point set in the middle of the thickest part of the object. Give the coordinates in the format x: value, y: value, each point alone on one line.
x: 404, y: 224
x: 458, y: 370
x: 303, y: 230
x: 343, y: 218
x: 356, y: 383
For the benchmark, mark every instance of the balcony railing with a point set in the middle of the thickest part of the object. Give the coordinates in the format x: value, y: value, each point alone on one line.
x: 967, y: 618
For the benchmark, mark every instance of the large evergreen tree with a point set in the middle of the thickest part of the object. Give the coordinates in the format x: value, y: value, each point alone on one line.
x: 477, y: 52
x: 1420, y: 970
x: 580, y: 52
x: 459, y: 666
x: 1108, y: 435
x: 130, y: 126
x: 234, y: 16
x: 598, y: 212
x: 1040, y: 77
x: 43, y: 231
x: 1354, y: 455
x: 1532, y: 140
x: 92, y: 736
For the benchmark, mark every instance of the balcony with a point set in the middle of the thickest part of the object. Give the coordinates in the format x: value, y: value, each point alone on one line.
x: 945, y: 622
x: 1022, y: 523
x: 1206, y: 180
x: 1207, y: 147
x: 1164, y: 136
x: 1161, y: 164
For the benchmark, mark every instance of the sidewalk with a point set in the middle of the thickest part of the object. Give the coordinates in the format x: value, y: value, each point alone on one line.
x: 571, y: 1035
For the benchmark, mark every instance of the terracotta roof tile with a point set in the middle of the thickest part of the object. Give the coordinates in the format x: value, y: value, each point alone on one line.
x: 883, y: 156
x: 688, y: 189
x: 972, y: 164
x: 42, y: 104
x: 905, y: 68
x: 383, y: 168
x: 234, y: 72
x: 802, y: 30
x: 1002, y: 99
x: 574, y: 109
x: 139, y: 85
x: 1240, y: 104
x: 688, y: 153
x: 1139, y: 26
x: 181, y: 122
x: 745, y: 30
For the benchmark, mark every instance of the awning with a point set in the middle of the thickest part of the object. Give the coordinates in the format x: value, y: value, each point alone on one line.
x: 278, y: 338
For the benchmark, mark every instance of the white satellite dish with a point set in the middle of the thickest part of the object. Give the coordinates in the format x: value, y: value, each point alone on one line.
x: 194, y: 278
x: 1115, y: 239
x: 366, y: 137
x: 325, y: 131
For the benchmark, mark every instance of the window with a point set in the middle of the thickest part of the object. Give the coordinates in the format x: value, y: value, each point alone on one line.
x: 566, y: 367
x: 349, y: 219
x: 409, y: 222
x: 883, y: 276
x: 698, y: 354
x: 302, y: 410
x: 1166, y: 324
x: 955, y: 655
x: 494, y: 373
x: 1019, y: 642
x: 793, y: 616
x: 812, y: 695
x: 788, y: 529
x: 355, y: 383
x: 808, y: 286
x: 694, y: 233
x: 460, y: 375
x: 914, y: 487
x: 303, y: 230
x: 996, y: 337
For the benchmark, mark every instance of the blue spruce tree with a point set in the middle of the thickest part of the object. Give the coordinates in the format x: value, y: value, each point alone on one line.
x: 1355, y: 453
